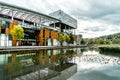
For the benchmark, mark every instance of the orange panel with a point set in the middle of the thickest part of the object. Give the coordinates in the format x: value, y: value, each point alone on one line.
x: 54, y: 34
x: 0, y: 29
x: 15, y: 23
x: 47, y: 33
x: 11, y: 25
x: 7, y: 31
x: 14, y: 42
x: 0, y: 23
x: 40, y: 36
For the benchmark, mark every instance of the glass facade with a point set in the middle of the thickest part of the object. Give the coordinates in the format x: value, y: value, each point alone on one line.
x: 5, y: 40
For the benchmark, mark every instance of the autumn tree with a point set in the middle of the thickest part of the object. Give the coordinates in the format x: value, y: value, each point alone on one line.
x: 61, y: 38
x: 67, y: 38
x: 17, y: 32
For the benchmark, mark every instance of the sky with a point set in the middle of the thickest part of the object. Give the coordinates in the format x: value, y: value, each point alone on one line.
x: 95, y: 17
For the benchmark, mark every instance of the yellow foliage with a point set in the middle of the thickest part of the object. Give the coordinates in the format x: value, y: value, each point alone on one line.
x: 61, y: 37
x: 17, y: 32
x: 67, y: 38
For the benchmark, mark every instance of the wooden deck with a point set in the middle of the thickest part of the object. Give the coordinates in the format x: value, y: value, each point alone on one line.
x: 32, y: 48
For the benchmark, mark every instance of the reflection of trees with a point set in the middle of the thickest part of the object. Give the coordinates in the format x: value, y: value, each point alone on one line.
x: 35, y: 59
x: 14, y: 68
x: 41, y: 58
x: 115, y: 54
x: 60, y: 56
x: 46, y: 57
x: 84, y: 49
x: 65, y: 57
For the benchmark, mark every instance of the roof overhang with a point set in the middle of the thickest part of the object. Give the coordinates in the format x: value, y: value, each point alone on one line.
x: 25, y: 14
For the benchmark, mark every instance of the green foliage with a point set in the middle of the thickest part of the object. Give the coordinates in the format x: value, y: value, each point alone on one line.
x: 17, y: 32
x: 14, y: 68
x: 71, y: 39
x: 83, y: 41
x: 110, y: 39
x: 67, y: 38
x: 91, y: 41
x: 61, y: 38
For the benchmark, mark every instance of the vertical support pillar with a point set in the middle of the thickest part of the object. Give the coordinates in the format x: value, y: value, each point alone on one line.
x: 0, y: 26
x: 34, y: 24
x: 40, y: 21
x: 54, y: 25
x: 65, y: 28
x: 12, y: 18
x: 23, y: 22
x: 52, y: 41
x: 60, y: 26
x: 74, y: 31
x: 69, y: 29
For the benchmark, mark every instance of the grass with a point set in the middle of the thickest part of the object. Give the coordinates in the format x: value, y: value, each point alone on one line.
x: 109, y: 48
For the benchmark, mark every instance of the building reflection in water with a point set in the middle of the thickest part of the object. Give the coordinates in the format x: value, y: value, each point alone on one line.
x: 36, y: 64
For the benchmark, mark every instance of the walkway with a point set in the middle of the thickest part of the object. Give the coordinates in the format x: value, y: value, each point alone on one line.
x: 31, y: 48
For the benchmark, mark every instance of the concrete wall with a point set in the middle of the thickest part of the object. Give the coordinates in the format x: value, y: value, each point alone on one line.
x: 67, y: 73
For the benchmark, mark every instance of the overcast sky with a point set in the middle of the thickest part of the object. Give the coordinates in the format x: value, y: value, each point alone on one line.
x: 95, y: 17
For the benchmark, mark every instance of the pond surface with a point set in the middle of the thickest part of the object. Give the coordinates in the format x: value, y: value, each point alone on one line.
x: 34, y: 65
x: 95, y: 65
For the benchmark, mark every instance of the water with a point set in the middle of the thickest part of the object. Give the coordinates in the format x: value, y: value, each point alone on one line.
x: 33, y: 65
x: 93, y: 65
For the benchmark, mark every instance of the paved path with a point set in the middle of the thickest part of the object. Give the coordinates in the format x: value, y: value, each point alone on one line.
x: 29, y: 48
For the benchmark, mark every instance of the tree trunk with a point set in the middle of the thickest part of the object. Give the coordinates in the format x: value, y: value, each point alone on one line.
x: 61, y: 44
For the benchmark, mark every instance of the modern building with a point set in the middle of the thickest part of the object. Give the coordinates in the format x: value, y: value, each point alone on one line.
x: 39, y: 29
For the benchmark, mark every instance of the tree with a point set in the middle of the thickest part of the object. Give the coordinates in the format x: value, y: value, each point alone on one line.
x: 91, y: 42
x: 83, y: 41
x: 61, y: 38
x: 14, y: 68
x: 17, y: 32
x: 67, y: 38
x: 71, y: 39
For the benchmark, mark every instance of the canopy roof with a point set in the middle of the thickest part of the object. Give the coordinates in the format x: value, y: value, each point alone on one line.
x: 25, y: 14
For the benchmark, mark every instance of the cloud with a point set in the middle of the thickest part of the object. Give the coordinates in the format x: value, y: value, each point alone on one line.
x: 95, y: 17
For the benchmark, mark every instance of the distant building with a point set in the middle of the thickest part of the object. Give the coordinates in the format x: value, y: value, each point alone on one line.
x: 79, y: 38
x: 39, y: 29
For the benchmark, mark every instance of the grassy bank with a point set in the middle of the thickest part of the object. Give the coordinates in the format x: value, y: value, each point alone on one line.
x: 110, y: 48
